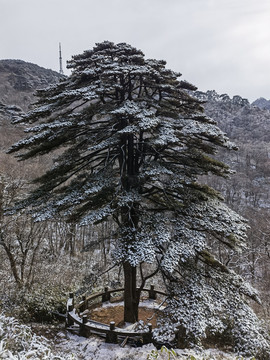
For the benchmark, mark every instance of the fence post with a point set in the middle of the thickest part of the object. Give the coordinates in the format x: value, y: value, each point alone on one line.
x: 152, y: 293
x: 147, y: 337
x: 111, y: 336
x: 70, y: 307
x: 106, y: 296
x: 83, y: 328
x: 82, y: 304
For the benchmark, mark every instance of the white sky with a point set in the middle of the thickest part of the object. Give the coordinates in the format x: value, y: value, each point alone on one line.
x: 216, y: 44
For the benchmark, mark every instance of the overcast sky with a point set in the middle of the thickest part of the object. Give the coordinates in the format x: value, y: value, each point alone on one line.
x: 216, y: 44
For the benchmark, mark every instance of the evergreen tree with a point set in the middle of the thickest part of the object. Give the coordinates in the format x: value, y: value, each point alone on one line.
x: 134, y: 143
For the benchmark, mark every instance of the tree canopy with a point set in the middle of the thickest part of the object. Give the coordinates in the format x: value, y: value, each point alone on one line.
x: 134, y: 144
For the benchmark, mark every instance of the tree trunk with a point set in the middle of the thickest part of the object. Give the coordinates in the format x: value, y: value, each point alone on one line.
x: 131, y: 297
x: 130, y: 219
x: 13, y: 265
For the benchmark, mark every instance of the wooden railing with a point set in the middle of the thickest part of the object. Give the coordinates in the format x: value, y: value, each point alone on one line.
x: 112, y: 333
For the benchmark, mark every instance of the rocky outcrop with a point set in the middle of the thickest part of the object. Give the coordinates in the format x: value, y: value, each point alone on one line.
x: 239, y: 119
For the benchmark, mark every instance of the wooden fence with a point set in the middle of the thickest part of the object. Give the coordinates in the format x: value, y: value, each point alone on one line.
x: 112, y: 333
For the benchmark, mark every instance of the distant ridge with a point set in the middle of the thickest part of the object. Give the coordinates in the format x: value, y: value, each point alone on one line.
x: 20, y: 79
x: 212, y: 95
x: 262, y: 103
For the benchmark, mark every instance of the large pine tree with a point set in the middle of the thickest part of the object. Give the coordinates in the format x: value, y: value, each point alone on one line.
x: 134, y: 143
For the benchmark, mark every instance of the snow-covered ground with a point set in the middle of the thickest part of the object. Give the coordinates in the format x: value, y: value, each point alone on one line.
x: 19, y: 342
x: 96, y: 349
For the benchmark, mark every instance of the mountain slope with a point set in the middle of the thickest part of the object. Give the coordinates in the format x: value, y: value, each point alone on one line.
x: 20, y: 79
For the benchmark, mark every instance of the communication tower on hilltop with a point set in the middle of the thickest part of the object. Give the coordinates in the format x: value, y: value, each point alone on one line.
x: 60, y: 61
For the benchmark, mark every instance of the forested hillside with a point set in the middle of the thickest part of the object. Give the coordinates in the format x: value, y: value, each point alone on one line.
x: 41, y: 262
x: 247, y: 190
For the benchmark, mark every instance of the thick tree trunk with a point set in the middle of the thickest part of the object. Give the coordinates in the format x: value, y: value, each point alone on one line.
x: 130, y: 219
x: 131, y: 297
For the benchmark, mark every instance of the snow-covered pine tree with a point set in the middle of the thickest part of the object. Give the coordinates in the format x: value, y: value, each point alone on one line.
x: 134, y: 143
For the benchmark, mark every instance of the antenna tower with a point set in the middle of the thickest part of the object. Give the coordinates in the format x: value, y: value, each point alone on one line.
x: 60, y: 60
